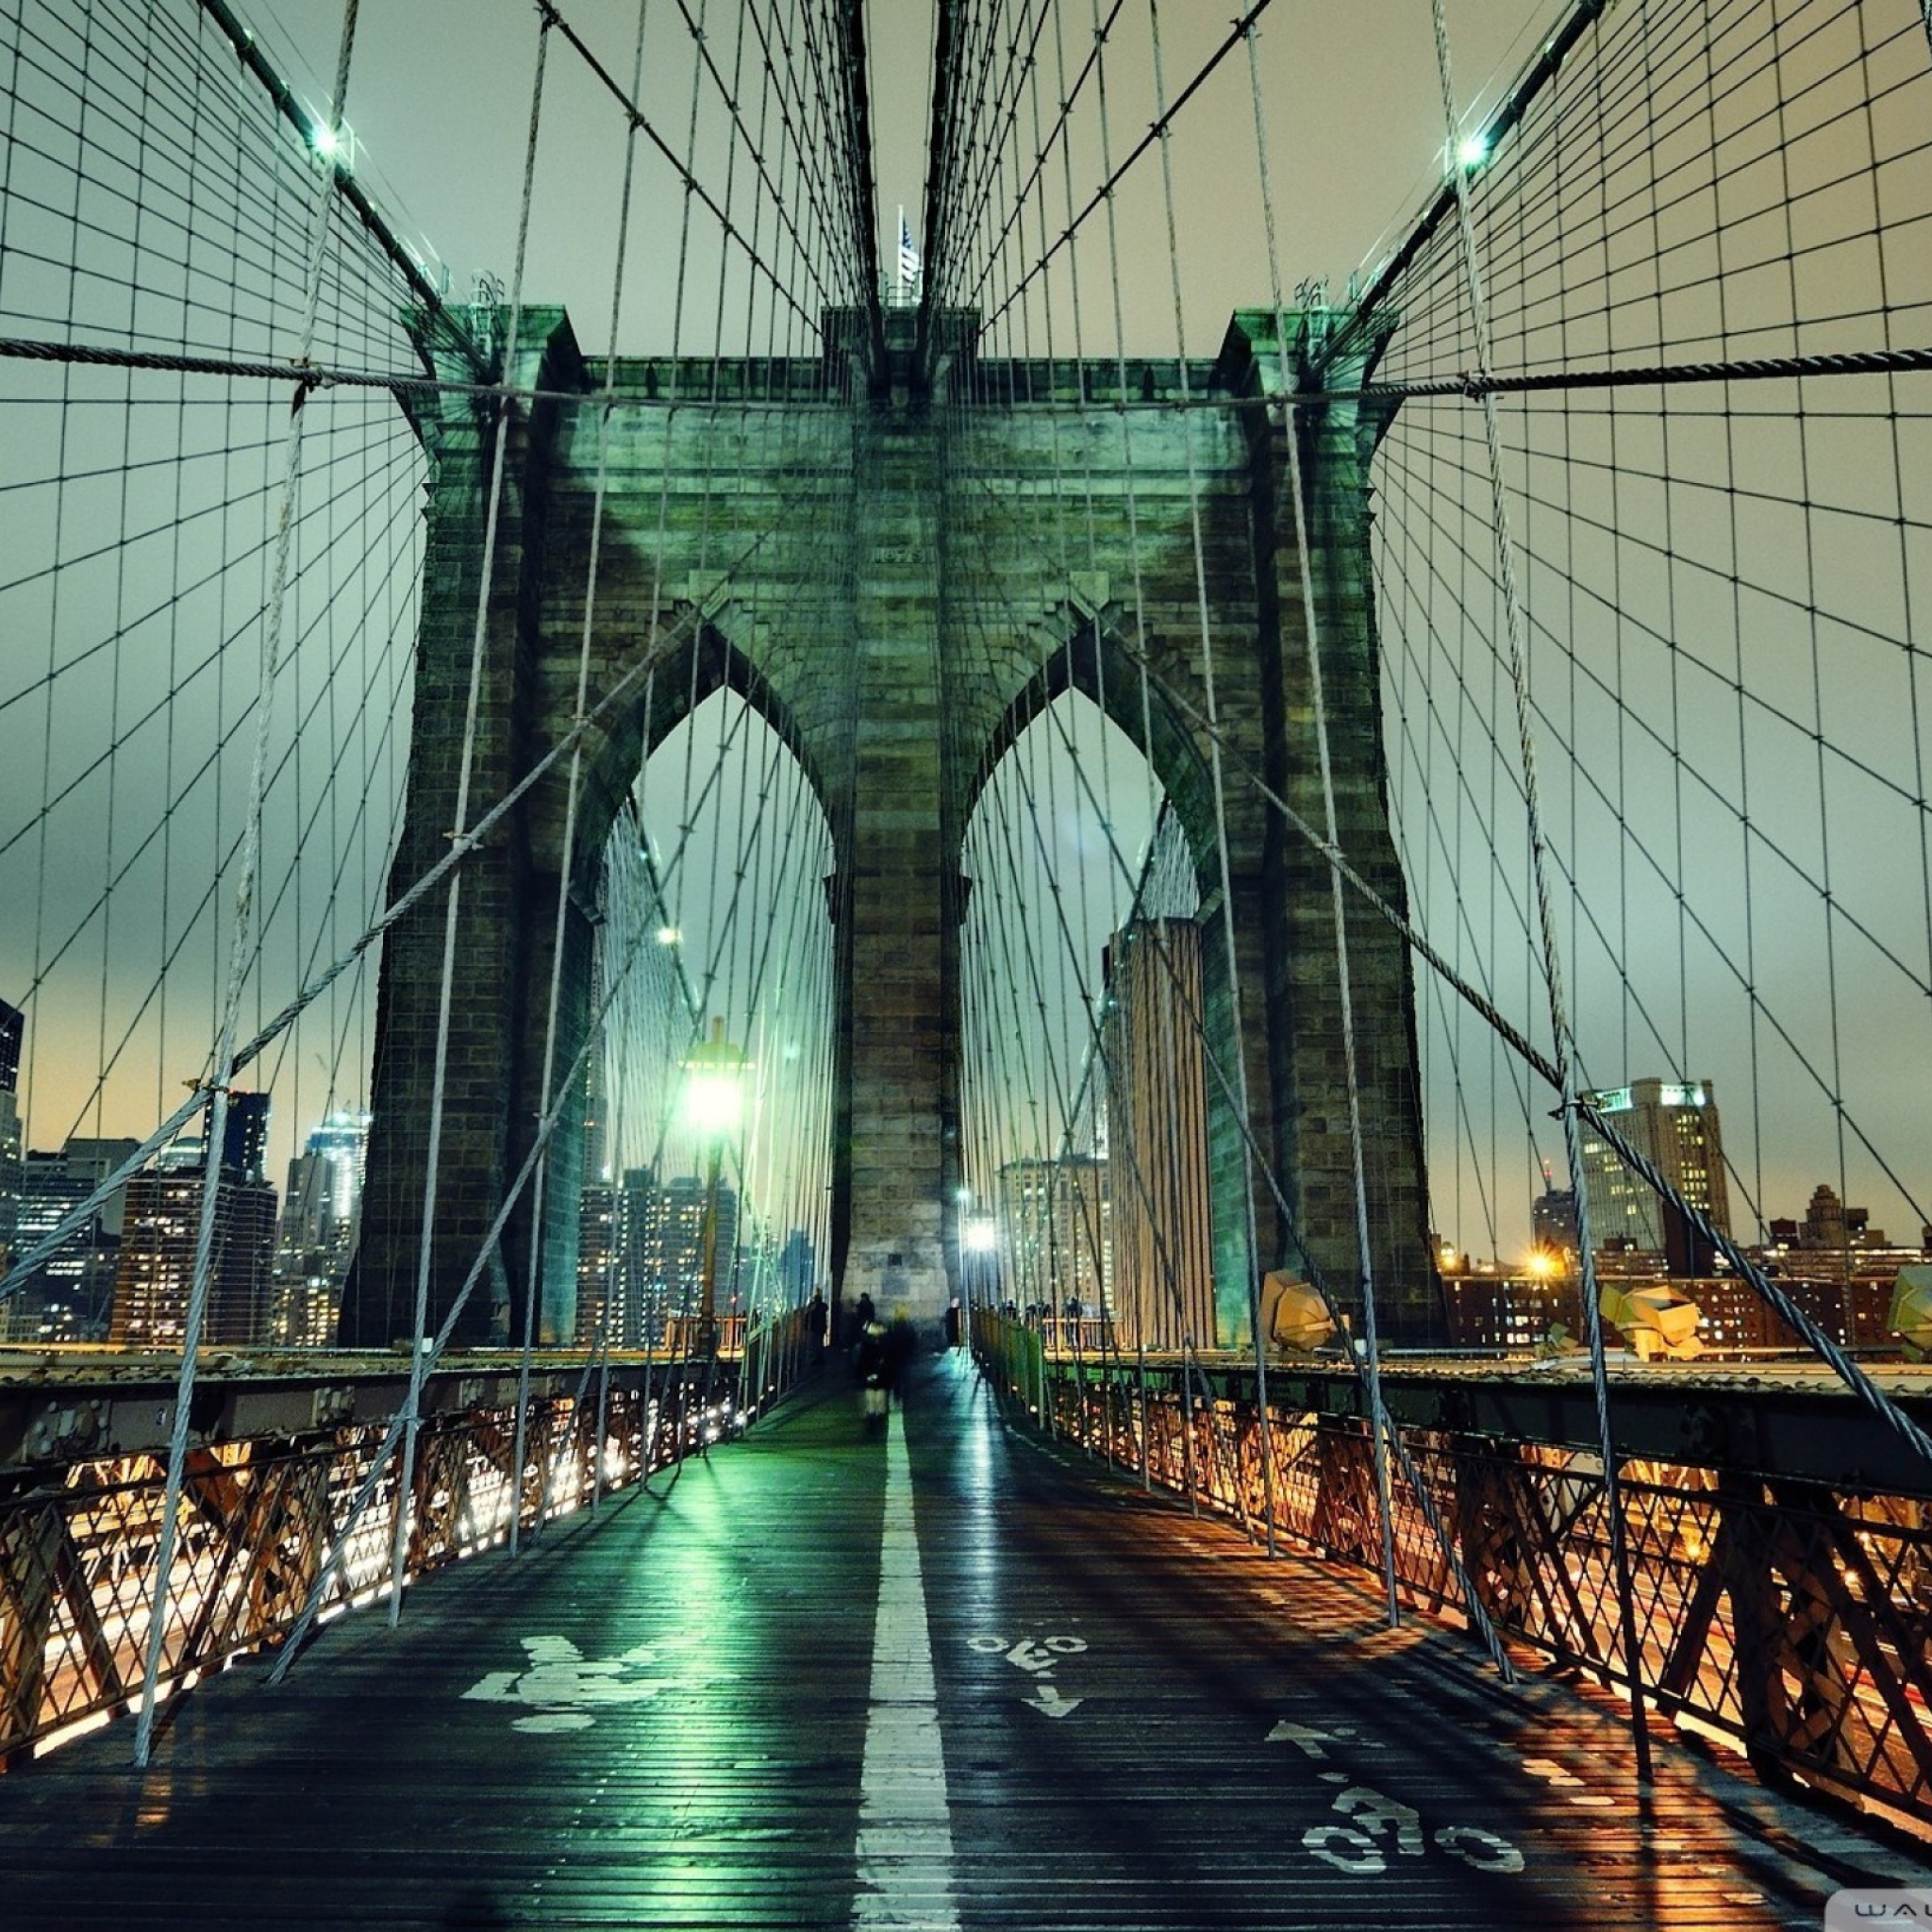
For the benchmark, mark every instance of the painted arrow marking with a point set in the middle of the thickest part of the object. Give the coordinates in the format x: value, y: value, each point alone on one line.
x: 1049, y: 1703
x: 1303, y: 1738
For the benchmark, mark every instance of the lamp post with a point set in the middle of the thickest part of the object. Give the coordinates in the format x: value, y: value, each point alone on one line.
x: 713, y: 1105
x: 979, y: 1235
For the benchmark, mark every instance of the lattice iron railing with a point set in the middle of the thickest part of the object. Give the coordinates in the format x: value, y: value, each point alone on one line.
x: 1791, y: 1619
x: 79, y: 1541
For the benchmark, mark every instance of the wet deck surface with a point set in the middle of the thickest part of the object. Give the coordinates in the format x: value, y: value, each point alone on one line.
x: 757, y: 1698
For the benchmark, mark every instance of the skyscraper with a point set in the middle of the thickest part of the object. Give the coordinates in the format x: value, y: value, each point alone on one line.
x: 316, y: 1239
x: 12, y: 1033
x: 657, y: 1232
x: 12, y: 1030
x: 1157, y: 1133
x: 600, y: 1296
x: 679, y: 1272
x: 67, y: 1298
x: 1674, y: 1126
x: 158, y: 1237
x: 797, y: 1269
x: 1055, y: 1228
x: 245, y: 1144
x: 1553, y: 1219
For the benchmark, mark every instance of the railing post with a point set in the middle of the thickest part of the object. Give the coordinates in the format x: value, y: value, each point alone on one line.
x: 1141, y: 1373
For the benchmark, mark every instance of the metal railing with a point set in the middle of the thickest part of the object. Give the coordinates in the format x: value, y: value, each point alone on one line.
x: 1792, y: 1619
x: 80, y: 1539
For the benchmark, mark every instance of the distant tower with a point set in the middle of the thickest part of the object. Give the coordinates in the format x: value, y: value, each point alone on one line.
x: 596, y: 1120
x: 12, y: 1030
x: 1157, y: 1132
x: 1552, y: 1217
x: 1055, y: 1225
x: 1676, y: 1127
x: 797, y: 1269
x: 244, y: 1144
x: 600, y: 1287
x: 322, y: 1214
x: 68, y: 1298
x: 679, y: 1255
x: 159, y: 1230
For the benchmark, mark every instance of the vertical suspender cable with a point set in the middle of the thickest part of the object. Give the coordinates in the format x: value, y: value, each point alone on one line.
x: 224, y: 1066
x: 1371, y: 1366
x: 419, y: 1325
x: 1234, y: 992
x: 1561, y: 1045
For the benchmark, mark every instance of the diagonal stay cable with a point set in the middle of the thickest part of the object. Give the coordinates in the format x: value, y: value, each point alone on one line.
x: 1161, y: 127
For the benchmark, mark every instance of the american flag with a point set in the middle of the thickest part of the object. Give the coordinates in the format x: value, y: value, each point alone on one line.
x: 909, y: 258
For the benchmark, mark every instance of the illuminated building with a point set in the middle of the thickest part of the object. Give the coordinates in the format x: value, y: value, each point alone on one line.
x: 1156, y: 1120
x: 1515, y: 1312
x: 641, y: 1249
x: 1676, y: 1127
x: 12, y: 1033
x: 321, y: 1215
x: 599, y: 1282
x: 67, y: 1298
x: 676, y: 1264
x: 13, y: 1029
x: 1553, y: 1221
x: 1055, y: 1228
x: 160, y: 1229
x: 244, y: 1140
x: 158, y: 1243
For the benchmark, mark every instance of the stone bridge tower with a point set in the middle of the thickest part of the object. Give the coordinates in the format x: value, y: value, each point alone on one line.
x: 755, y: 510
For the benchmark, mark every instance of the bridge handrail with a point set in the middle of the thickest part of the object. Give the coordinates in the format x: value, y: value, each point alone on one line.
x: 1791, y: 1619
x: 78, y: 1536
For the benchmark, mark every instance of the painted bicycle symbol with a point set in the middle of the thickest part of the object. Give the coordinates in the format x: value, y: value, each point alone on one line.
x: 1030, y: 1654
x: 1036, y: 1656
x: 1378, y: 1823
x: 1375, y: 1825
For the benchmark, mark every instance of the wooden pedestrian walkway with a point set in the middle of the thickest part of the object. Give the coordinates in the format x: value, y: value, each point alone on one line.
x: 949, y: 1677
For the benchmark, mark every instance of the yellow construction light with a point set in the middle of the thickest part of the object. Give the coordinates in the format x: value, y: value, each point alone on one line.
x: 1910, y: 1317
x: 1293, y: 1315
x: 1653, y: 1318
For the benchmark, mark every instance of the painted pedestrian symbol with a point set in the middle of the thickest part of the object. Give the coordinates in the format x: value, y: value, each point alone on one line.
x: 1037, y: 1656
x: 561, y: 1687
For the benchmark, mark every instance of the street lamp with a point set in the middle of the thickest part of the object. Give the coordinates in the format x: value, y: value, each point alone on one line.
x: 713, y: 1106
x: 979, y: 1236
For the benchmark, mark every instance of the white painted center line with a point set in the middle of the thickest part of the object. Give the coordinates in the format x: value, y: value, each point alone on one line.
x: 904, y: 1825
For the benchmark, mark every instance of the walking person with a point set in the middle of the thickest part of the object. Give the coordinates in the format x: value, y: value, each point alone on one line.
x: 874, y: 1368
x: 901, y: 1344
